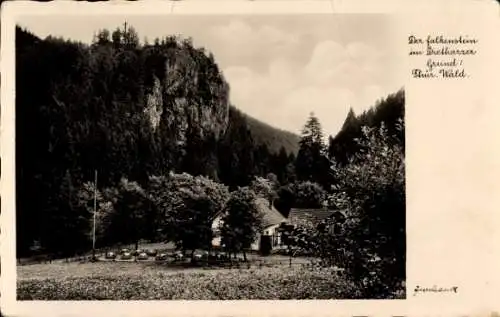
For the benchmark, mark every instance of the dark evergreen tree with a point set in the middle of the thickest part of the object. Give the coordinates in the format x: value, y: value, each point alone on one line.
x: 285, y: 200
x: 64, y: 227
x: 262, y: 159
x: 236, y: 157
x: 103, y: 37
x: 312, y: 163
x: 389, y: 110
x: 279, y: 164
x: 344, y: 143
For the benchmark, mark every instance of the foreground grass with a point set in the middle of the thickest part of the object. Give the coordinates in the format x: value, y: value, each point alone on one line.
x: 138, y: 282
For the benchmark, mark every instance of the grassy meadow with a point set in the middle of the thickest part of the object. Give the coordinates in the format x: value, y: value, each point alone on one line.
x: 150, y: 281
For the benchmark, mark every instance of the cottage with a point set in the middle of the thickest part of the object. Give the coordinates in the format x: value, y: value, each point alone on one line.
x: 271, y: 220
x: 298, y: 216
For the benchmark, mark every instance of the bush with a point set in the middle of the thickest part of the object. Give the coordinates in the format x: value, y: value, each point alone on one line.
x: 372, y: 189
x: 126, y: 256
x: 308, y: 195
x: 152, y: 252
x: 142, y: 256
x: 161, y: 257
x: 110, y: 255
x: 370, y: 241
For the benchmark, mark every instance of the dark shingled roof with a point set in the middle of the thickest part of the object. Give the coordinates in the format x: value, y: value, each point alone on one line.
x: 313, y: 215
x: 270, y: 215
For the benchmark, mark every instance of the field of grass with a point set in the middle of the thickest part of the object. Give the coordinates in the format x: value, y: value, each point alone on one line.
x: 150, y: 281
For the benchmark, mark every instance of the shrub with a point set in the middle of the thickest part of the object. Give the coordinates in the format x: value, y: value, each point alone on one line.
x: 126, y: 256
x: 142, y: 256
x: 161, y: 257
x: 370, y: 242
x: 110, y: 255
x: 308, y: 195
x: 152, y: 252
x: 372, y: 189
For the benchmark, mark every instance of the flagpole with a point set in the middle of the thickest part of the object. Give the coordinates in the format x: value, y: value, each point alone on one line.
x: 95, y: 212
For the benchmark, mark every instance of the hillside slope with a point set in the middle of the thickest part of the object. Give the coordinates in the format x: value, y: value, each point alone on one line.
x: 388, y: 111
x: 272, y: 137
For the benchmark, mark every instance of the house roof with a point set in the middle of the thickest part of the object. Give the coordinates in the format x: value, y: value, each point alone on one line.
x: 313, y: 215
x: 270, y: 215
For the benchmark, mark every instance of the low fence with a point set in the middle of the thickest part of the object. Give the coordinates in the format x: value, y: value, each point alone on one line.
x: 253, y: 264
x: 254, y: 260
x: 45, y: 259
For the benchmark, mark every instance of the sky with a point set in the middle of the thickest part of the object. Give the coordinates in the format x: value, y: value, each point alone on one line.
x: 280, y: 68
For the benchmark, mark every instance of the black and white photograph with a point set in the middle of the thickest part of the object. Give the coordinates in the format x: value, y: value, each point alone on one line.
x: 209, y: 157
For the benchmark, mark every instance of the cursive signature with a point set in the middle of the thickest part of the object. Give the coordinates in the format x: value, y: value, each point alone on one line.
x: 435, y: 289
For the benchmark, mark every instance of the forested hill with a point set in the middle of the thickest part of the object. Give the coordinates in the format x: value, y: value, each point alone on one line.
x: 273, y: 138
x: 389, y: 111
x: 128, y: 110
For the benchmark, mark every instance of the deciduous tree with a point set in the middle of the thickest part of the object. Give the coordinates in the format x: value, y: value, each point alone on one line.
x: 241, y: 221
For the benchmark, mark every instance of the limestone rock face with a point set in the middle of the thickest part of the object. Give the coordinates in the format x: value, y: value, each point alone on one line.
x: 192, y: 95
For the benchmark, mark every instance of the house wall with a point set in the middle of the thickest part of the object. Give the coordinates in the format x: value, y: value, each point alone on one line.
x: 216, y: 225
x: 216, y: 241
x: 271, y: 230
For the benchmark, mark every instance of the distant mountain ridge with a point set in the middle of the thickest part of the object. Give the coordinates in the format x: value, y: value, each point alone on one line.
x: 274, y: 138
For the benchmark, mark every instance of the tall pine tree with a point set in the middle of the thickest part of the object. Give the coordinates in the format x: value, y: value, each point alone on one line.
x: 341, y: 147
x: 311, y: 163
